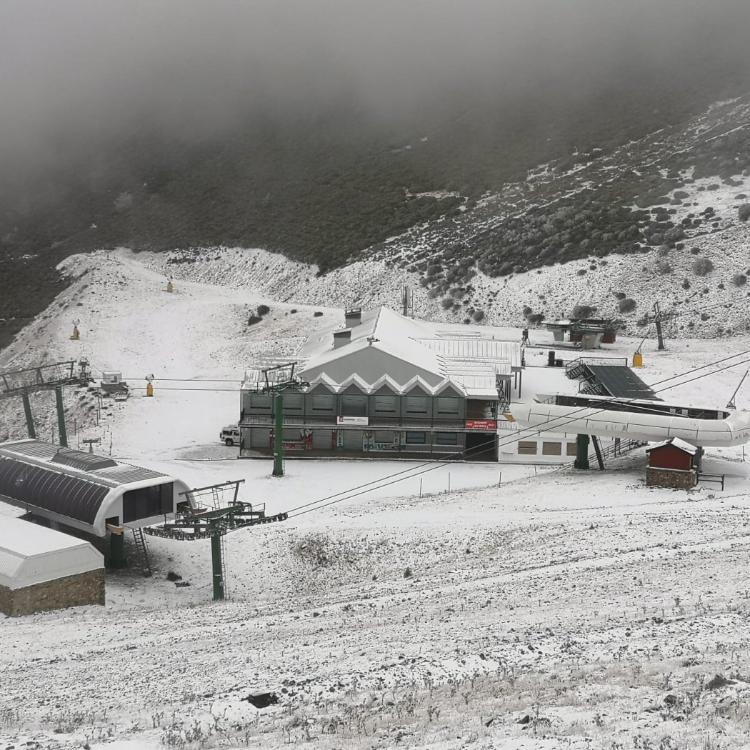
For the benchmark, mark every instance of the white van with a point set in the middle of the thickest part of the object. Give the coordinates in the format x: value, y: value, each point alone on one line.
x: 230, y: 435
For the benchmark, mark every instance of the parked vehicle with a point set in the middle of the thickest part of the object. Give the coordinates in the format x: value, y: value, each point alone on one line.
x: 114, y: 386
x: 230, y: 435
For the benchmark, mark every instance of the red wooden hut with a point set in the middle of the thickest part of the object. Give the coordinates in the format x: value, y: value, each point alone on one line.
x: 674, y: 463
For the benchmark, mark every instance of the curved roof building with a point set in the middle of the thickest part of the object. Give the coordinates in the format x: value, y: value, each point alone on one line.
x: 84, y: 490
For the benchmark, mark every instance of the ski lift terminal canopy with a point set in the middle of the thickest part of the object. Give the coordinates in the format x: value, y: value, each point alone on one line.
x: 84, y: 490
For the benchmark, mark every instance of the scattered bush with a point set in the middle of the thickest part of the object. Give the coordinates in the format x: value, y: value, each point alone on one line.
x: 583, y: 311
x: 744, y: 212
x: 478, y: 315
x: 446, y: 303
x: 620, y: 295
x: 626, y: 305
x: 319, y: 550
x: 253, y: 319
x: 702, y: 266
x: 263, y: 310
x: 739, y: 279
x: 685, y: 284
x: 663, y: 266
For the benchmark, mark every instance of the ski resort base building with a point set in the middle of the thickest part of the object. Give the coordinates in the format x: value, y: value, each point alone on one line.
x: 387, y: 385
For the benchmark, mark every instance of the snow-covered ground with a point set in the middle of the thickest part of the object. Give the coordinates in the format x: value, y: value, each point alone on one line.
x: 551, y: 609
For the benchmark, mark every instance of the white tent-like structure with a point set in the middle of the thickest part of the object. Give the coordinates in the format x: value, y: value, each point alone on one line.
x: 45, y: 569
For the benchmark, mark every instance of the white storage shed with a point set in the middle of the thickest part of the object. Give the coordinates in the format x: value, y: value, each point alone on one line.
x: 42, y: 569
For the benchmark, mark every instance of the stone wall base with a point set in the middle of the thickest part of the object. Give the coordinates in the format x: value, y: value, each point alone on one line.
x: 71, y: 591
x: 674, y: 478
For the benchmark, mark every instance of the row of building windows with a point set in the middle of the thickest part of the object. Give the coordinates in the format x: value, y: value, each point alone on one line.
x: 440, y: 438
x: 356, y: 405
x: 549, y: 448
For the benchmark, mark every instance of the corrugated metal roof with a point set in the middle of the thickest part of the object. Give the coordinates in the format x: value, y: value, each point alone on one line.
x: 475, y: 349
x: 32, y: 474
x: 45, y: 488
x: 125, y: 474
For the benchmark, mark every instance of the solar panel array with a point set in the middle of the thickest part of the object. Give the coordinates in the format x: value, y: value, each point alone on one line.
x: 621, y: 382
x: 81, y: 460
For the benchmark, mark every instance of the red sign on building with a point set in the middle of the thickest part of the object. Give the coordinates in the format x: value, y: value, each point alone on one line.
x: 485, y: 425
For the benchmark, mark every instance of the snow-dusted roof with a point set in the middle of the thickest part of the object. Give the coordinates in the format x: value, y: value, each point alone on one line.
x: 468, y: 360
x: 87, y: 467
x: 372, y: 387
x: 683, y: 445
x: 71, y: 486
x: 405, y: 350
x: 31, y: 554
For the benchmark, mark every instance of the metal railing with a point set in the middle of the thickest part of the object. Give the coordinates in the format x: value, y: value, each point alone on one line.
x: 715, y: 478
x: 405, y: 423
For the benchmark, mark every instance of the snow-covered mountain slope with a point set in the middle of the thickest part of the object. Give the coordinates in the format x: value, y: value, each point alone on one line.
x: 659, y: 219
x: 557, y: 611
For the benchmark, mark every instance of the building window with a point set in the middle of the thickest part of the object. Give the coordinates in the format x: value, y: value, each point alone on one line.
x: 354, y: 406
x: 147, y: 502
x: 384, y: 436
x: 323, y: 402
x: 446, y: 438
x: 385, y: 404
x: 416, y: 405
x: 551, y: 449
x: 572, y: 449
x: 260, y: 402
x: 293, y: 403
x: 416, y: 438
x: 527, y: 447
x: 447, y: 407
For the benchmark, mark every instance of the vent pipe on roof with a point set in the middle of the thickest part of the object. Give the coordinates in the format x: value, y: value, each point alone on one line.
x: 341, y: 337
x: 353, y: 317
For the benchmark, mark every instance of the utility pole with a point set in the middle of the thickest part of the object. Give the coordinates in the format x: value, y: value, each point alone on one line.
x: 657, y: 322
x: 731, y: 404
x: 278, y: 435
x: 217, y: 567
x: 582, y: 452
x: 29, y: 418
x: 277, y: 379
x: 52, y: 377
x: 63, y: 433
x: 406, y: 301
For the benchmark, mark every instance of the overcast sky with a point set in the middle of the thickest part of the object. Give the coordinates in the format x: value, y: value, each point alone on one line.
x: 93, y: 68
